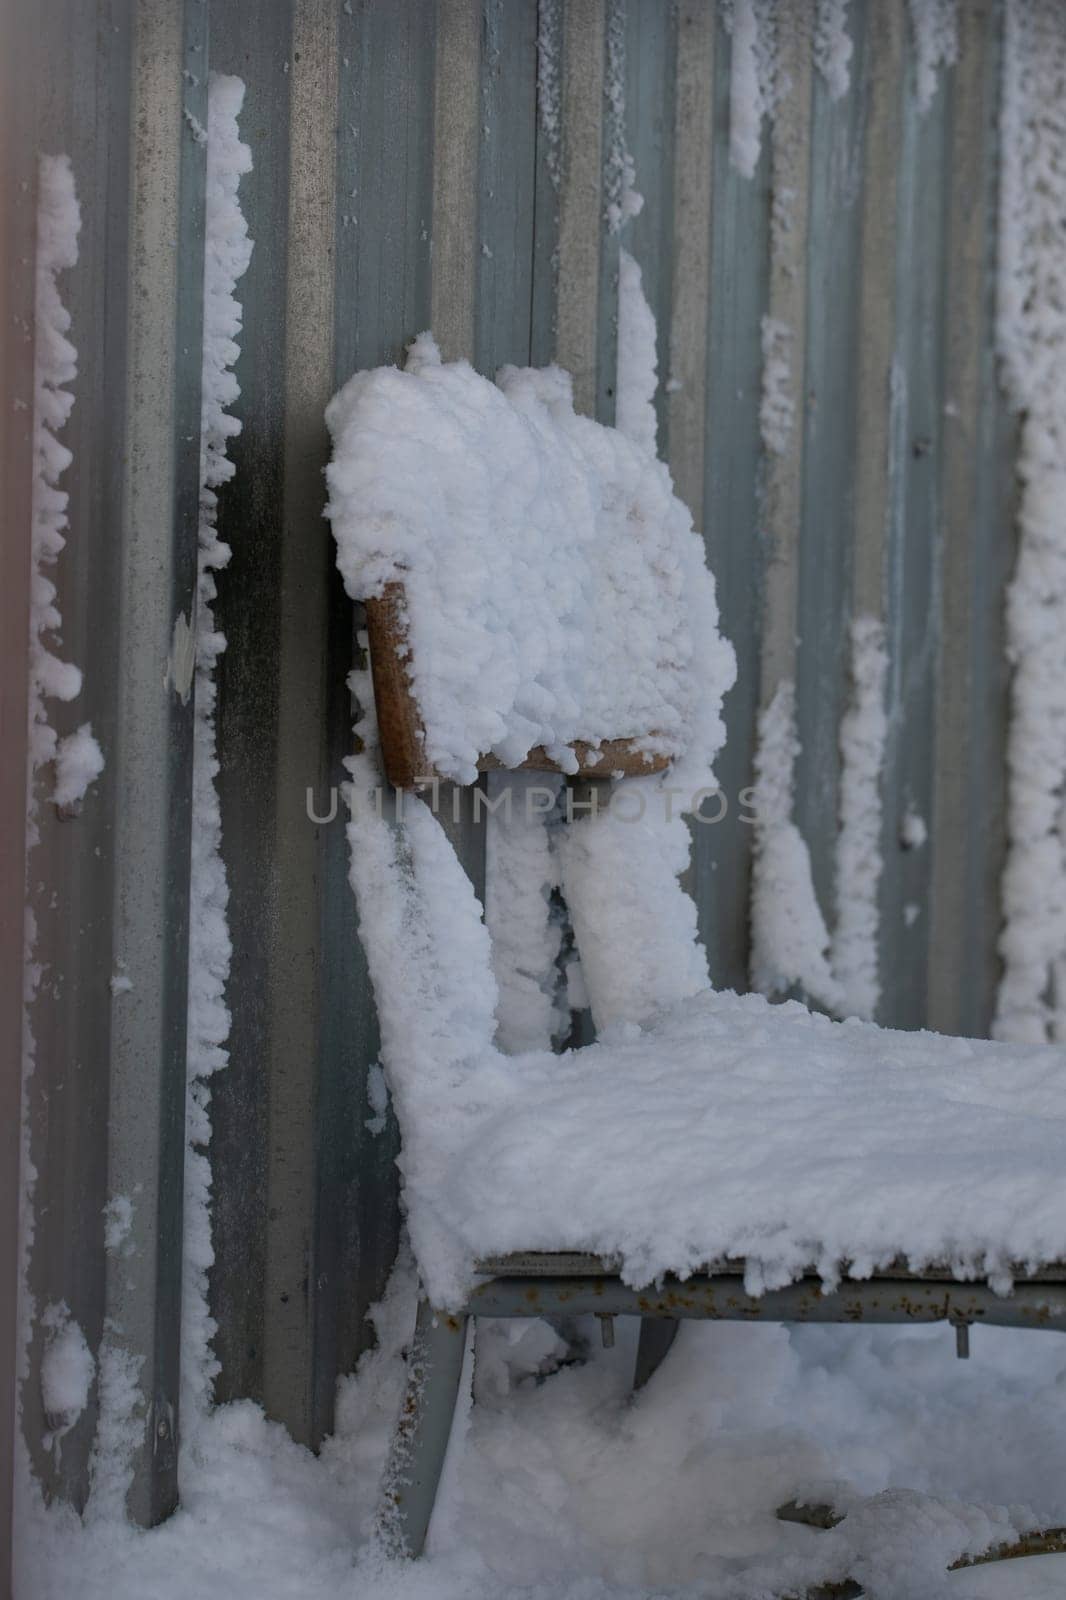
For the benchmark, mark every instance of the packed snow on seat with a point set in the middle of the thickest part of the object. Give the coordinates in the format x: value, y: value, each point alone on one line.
x: 734, y: 1128
x: 555, y: 587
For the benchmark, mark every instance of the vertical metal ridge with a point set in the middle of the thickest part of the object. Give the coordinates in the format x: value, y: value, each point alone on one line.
x: 733, y: 515
x: 306, y: 562
x: 874, y: 393
x: 883, y: 86
x: 971, y: 713
x: 835, y: 338
x: 248, y: 612
x: 613, y: 151
x: 651, y: 67
x: 455, y: 175
x: 17, y: 252
x: 507, y: 159
x: 152, y: 761
x: 581, y: 197
x: 545, y: 269
x: 790, y: 153
x: 914, y: 543
x: 73, y: 863
x: 385, y: 197
x: 686, y: 396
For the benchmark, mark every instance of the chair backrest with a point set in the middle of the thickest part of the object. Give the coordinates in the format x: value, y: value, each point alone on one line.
x: 536, y: 595
x: 401, y: 727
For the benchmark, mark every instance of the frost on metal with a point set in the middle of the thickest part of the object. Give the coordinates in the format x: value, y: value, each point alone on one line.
x: 619, y: 173
x: 753, y: 85
x: 67, y: 1372
x: 789, y: 938
x: 1031, y: 335
x: 777, y: 409
x: 637, y: 358
x: 832, y: 46
x: 859, y: 862
x: 935, y: 26
x: 77, y: 759
x: 227, y: 253
x: 549, y: 84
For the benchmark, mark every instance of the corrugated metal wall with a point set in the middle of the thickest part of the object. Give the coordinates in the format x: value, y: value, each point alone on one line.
x: 412, y: 169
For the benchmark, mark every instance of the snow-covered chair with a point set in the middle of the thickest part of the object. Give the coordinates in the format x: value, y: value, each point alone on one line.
x: 536, y: 597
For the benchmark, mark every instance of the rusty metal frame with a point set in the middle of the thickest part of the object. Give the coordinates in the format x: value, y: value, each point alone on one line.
x: 573, y: 1284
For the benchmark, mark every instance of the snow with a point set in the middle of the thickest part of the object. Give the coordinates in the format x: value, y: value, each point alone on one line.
x: 1032, y: 344
x: 859, y: 864
x: 549, y: 85
x: 227, y: 253
x: 524, y: 927
x: 722, y: 1126
x: 634, y: 925
x: 777, y: 409
x: 832, y: 45
x: 569, y: 1487
x: 67, y: 1371
x: 55, y: 368
x: 637, y: 358
x: 79, y: 761
x: 555, y: 587
x: 622, y: 200
x: 732, y: 1127
x: 753, y: 87
x: 118, y: 1220
x: 936, y: 44
x: 913, y: 831
x: 119, y: 1433
x: 789, y: 938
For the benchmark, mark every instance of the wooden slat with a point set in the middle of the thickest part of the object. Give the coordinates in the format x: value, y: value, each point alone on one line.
x: 400, y: 726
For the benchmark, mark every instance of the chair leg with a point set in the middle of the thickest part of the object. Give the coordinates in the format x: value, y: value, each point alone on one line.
x: 420, y: 1443
x: 657, y: 1334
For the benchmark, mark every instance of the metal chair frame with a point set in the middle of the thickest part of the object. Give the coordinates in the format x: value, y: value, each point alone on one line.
x: 539, y: 1284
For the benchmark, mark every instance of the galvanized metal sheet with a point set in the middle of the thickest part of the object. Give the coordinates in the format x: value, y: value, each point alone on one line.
x: 450, y: 163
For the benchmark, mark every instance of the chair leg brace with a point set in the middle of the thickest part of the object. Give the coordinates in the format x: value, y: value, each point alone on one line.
x: 435, y: 1363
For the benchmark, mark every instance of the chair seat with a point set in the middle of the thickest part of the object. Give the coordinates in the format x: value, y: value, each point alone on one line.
x: 736, y: 1131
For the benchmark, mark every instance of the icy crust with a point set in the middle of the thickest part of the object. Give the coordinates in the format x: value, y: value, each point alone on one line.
x: 737, y: 1128
x: 556, y: 588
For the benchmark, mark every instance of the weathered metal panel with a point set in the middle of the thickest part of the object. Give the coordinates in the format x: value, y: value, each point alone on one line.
x: 828, y: 419
x: 106, y: 1104
x: 450, y: 164
x: 733, y: 518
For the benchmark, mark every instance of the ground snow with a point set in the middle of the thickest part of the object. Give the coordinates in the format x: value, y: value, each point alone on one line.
x: 227, y: 253
x: 574, y: 1489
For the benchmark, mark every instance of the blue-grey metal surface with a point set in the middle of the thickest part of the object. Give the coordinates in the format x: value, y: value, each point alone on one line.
x: 450, y: 163
x: 106, y: 1103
